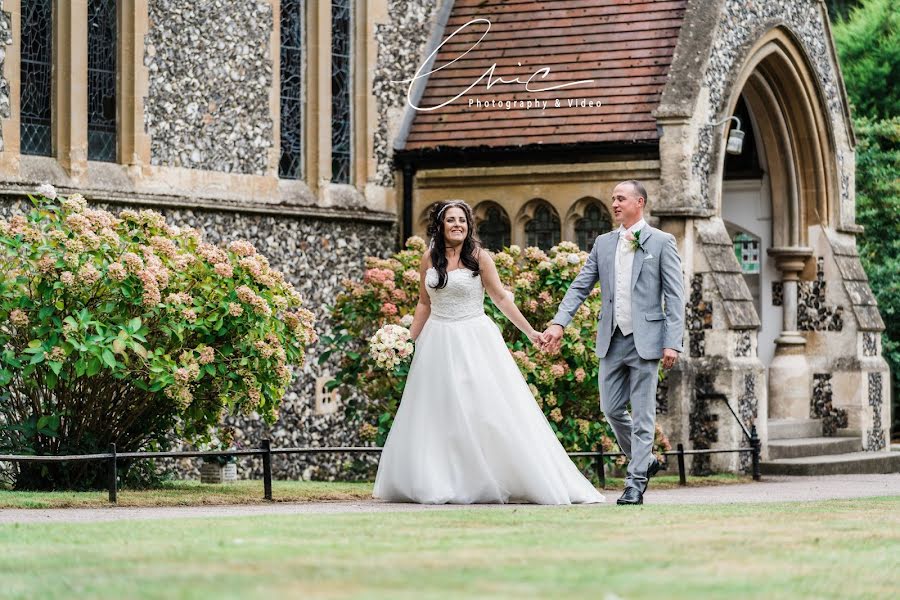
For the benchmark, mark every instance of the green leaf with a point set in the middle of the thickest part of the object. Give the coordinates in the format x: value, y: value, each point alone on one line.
x: 55, y: 366
x: 93, y: 366
x: 108, y: 358
x: 139, y: 350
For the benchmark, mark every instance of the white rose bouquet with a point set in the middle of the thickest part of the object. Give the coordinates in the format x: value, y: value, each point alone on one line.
x: 390, y: 346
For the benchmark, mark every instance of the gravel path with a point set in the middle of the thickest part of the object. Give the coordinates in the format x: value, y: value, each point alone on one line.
x: 772, y: 489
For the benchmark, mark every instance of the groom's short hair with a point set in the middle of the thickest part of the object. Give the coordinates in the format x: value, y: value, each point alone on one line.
x: 638, y: 188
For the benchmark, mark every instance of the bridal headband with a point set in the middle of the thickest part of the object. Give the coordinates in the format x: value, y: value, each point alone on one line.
x: 448, y: 205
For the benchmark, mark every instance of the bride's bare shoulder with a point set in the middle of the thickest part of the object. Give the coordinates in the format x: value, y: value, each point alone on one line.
x: 483, y: 257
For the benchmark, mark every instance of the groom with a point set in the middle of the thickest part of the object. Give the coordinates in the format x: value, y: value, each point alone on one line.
x: 640, y: 322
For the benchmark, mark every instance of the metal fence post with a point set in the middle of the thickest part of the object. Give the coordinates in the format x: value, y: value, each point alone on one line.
x: 267, y: 469
x: 757, y: 446
x: 682, y: 475
x: 601, y: 468
x: 112, y: 475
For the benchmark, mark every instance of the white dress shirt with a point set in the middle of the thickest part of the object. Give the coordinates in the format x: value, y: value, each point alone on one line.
x: 624, y: 261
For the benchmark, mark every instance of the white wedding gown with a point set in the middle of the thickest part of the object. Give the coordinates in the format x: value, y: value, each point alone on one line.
x: 468, y: 428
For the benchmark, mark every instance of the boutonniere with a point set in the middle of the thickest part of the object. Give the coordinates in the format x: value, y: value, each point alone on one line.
x: 635, y: 239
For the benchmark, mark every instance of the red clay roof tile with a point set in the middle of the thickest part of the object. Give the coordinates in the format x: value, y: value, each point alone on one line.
x: 624, y: 47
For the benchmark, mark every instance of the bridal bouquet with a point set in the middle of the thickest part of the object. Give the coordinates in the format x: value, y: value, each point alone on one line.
x: 390, y: 346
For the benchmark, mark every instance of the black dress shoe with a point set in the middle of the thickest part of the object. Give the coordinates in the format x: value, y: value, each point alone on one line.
x: 632, y: 495
x: 652, y: 469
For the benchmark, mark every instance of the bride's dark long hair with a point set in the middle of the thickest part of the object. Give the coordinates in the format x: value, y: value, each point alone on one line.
x: 438, y: 246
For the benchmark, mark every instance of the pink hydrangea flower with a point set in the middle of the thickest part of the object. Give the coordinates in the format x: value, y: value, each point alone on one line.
x: 18, y: 318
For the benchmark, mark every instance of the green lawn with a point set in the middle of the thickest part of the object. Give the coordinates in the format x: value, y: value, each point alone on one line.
x: 185, y: 493
x: 835, y: 549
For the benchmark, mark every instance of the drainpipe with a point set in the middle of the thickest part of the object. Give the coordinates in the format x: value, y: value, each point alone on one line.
x: 409, y: 174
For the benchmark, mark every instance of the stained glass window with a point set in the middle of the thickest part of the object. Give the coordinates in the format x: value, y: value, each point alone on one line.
x: 494, y: 230
x: 596, y: 220
x: 290, y: 166
x: 543, y: 229
x: 341, y: 126
x: 36, y: 76
x: 102, y: 80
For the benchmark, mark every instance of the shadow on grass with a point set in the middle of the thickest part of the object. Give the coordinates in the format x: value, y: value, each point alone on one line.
x: 194, y: 493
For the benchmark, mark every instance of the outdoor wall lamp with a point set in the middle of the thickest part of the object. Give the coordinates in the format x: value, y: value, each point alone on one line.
x: 735, y: 136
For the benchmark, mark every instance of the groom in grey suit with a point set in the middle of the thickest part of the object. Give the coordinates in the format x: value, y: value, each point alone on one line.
x: 640, y: 322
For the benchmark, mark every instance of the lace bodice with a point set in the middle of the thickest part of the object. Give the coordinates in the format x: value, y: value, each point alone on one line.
x: 462, y: 298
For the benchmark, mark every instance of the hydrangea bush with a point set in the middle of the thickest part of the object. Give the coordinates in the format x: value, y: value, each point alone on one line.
x: 564, y: 384
x: 122, y: 328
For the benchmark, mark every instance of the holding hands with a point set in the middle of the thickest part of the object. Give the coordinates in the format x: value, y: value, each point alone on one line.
x: 548, y: 340
x: 552, y: 338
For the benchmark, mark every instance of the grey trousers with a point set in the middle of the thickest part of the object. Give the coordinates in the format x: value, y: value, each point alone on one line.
x: 625, y: 376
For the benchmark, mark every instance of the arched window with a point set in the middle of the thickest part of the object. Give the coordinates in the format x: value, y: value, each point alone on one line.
x: 543, y: 230
x: 493, y: 226
x: 36, y: 77
x: 596, y: 220
x: 290, y: 165
x: 341, y: 89
x: 101, y: 36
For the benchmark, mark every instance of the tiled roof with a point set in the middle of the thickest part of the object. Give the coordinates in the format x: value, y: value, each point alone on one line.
x: 624, y: 46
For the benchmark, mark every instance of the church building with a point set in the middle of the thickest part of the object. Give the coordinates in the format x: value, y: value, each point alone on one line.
x: 323, y: 130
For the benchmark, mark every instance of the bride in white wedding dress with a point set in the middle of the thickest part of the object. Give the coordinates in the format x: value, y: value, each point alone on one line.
x: 468, y: 428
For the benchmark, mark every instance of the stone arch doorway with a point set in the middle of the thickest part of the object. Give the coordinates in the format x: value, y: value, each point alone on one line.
x: 747, y: 215
x: 795, y: 194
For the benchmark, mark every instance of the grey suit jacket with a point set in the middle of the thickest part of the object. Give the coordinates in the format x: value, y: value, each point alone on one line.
x: 657, y: 292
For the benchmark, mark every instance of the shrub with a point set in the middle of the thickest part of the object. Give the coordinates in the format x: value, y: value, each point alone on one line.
x: 125, y: 329
x: 878, y: 211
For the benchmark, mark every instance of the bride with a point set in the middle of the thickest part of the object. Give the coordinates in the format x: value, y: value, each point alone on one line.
x: 468, y: 428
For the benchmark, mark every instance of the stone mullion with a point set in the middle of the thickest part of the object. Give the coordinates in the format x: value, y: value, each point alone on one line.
x: 134, y: 144
x: 363, y: 65
x: 70, y: 94
x: 275, y: 90
x: 318, y: 157
x: 11, y: 65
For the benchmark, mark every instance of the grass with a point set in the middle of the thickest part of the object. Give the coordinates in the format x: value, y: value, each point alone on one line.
x: 833, y: 549
x: 193, y: 493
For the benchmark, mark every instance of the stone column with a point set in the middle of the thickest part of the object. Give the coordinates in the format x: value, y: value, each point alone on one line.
x: 789, y: 374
